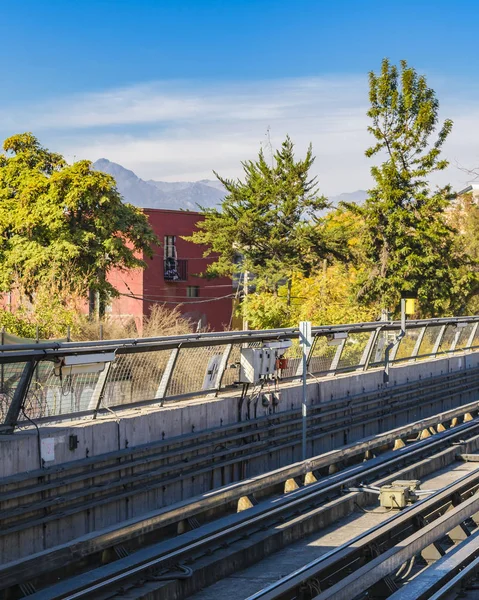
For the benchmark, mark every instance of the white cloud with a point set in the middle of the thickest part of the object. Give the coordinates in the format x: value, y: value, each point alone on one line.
x: 167, y: 102
x: 184, y: 130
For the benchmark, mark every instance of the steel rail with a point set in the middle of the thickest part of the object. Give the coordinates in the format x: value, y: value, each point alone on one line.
x: 123, y: 570
x: 196, y: 506
x: 464, y: 574
x: 412, y: 536
x: 378, y: 568
x: 439, y: 579
x: 60, y: 557
x: 48, y: 350
x: 170, y: 472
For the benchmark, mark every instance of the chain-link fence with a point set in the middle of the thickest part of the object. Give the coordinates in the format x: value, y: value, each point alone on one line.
x: 32, y: 386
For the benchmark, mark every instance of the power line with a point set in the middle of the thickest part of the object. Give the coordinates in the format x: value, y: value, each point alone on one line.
x: 166, y: 297
x: 151, y: 299
x: 140, y: 297
x: 187, y: 258
x: 175, y: 282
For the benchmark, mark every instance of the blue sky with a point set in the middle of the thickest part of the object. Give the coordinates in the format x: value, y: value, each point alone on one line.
x: 174, y: 89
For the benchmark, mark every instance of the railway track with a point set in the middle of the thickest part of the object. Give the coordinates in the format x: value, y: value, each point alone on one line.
x: 452, y: 576
x: 376, y: 557
x: 187, y: 561
x: 212, y: 458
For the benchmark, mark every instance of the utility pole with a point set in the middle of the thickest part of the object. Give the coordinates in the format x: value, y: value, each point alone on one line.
x: 305, y: 339
x: 408, y: 307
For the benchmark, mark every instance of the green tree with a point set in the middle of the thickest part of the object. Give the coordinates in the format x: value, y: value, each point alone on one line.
x: 269, y: 219
x: 325, y: 297
x: 408, y: 244
x: 63, y: 223
x: 328, y: 294
x: 464, y: 217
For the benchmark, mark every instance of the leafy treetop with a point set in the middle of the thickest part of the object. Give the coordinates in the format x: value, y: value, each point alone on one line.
x: 63, y: 223
x: 407, y: 242
x: 268, y: 220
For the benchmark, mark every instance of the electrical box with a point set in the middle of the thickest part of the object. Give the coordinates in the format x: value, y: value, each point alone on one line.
x: 268, y: 362
x: 410, y: 306
x: 394, y: 496
x: 250, y: 365
x: 256, y: 364
x: 262, y: 363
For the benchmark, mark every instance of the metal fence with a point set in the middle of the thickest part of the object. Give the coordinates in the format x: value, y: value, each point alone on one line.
x: 155, y: 370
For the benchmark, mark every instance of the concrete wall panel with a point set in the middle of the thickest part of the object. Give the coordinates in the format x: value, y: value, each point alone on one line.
x: 19, y: 453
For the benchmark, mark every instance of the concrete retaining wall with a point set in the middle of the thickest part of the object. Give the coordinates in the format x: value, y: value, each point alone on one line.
x: 23, y: 451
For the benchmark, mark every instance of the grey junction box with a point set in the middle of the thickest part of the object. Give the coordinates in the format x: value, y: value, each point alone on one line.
x: 256, y: 364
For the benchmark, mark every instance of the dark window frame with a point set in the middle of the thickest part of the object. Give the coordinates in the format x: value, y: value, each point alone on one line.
x: 193, y: 291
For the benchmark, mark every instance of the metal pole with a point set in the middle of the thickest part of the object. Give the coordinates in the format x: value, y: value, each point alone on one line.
x: 167, y: 375
x: 2, y: 388
x: 99, y: 391
x: 472, y: 335
x: 418, y: 343
x: 368, y: 350
x: 305, y: 337
x: 437, y: 343
x: 403, y: 316
x: 222, y: 367
x: 337, y: 355
x: 245, y: 298
x: 394, y: 344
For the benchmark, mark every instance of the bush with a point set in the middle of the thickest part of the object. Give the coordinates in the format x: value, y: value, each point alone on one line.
x: 19, y: 326
x: 161, y: 321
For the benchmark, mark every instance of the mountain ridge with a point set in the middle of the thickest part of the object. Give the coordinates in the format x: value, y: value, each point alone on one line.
x: 176, y: 195
x: 181, y: 195
x: 358, y: 196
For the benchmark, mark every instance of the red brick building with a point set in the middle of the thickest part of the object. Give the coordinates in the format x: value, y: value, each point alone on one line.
x: 171, y: 277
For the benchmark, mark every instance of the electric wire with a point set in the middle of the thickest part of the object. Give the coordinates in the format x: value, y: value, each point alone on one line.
x: 185, y: 302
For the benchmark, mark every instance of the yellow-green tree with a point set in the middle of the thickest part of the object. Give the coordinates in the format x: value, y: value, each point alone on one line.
x: 326, y: 295
x: 63, y: 223
x: 463, y: 216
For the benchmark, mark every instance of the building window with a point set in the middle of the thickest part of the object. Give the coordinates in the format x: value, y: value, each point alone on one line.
x: 193, y: 291
x: 170, y: 246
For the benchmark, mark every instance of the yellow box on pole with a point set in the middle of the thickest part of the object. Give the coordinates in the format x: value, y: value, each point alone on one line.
x: 410, y: 307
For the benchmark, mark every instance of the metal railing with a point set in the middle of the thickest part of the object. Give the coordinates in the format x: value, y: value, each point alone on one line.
x: 155, y: 370
x: 175, y: 269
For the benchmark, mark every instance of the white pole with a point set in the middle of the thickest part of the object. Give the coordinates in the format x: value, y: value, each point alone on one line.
x: 403, y: 315
x: 305, y: 339
x: 245, y: 298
